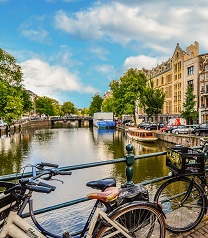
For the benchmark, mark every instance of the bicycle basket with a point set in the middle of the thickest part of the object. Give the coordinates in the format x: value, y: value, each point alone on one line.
x: 185, y: 161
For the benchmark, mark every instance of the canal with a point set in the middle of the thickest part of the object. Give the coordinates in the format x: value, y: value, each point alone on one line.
x: 72, y: 146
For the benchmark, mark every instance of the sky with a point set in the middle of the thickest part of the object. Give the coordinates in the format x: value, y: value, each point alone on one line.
x: 69, y: 50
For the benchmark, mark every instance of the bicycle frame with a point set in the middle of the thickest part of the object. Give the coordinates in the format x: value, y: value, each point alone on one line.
x: 16, y: 227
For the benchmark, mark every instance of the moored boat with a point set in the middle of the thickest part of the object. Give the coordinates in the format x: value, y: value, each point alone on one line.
x: 141, y: 135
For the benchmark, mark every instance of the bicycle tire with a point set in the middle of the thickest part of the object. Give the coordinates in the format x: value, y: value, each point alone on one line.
x: 142, y: 220
x: 181, y: 217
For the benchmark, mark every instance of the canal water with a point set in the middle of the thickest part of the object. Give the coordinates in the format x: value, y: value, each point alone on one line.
x: 72, y: 146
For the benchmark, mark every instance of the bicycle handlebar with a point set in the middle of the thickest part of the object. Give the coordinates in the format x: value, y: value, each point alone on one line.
x: 43, y: 164
x: 52, y: 172
x: 39, y: 189
x: 32, y: 184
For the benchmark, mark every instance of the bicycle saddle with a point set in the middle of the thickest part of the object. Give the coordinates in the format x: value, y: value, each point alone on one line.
x: 102, y: 183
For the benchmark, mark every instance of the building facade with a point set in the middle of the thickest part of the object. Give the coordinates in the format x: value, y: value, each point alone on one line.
x: 173, y: 76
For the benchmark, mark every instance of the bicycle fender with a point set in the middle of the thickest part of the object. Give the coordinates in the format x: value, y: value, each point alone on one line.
x: 150, y: 204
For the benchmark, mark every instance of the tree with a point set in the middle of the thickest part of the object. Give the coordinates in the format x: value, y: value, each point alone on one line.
x: 69, y: 108
x: 127, y: 91
x: 189, y: 113
x: 11, y: 106
x: 84, y: 111
x: 10, y: 71
x: 14, y: 100
x: 47, y: 106
x: 96, y: 104
x: 26, y: 101
x: 107, y: 104
x: 152, y: 100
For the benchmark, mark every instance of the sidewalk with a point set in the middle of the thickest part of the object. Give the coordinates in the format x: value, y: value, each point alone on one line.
x: 200, y: 231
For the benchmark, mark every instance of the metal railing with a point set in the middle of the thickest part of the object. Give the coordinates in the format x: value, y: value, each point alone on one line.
x: 128, y: 159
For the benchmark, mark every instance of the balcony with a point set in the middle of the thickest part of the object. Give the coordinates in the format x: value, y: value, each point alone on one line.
x: 204, y: 92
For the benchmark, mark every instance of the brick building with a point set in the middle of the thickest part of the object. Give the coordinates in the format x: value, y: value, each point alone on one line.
x: 173, y: 76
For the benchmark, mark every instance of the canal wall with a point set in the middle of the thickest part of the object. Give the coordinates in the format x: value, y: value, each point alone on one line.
x: 36, y: 124
x: 8, y: 130
x: 172, y: 138
x: 178, y: 139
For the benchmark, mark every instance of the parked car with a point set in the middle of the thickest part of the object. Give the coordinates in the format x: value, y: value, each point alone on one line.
x: 142, y: 125
x: 125, y: 122
x: 186, y: 129
x: 2, y: 123
x: 168, y: 128
x: 154, y: 126
x: 130, y: 123
x: 201, y: 129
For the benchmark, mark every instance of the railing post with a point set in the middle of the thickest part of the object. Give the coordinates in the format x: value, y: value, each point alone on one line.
x: 129, y: 168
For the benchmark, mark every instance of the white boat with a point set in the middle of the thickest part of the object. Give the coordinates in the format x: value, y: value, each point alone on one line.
x: 141, y: 135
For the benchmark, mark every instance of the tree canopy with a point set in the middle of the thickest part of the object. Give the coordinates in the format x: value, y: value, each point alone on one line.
x: 96, y: 104
x: 68, y: 108
x: 10, y: 71
x: 127, y: 91
x: 107, y: 104
x: 152, y: 100
x: 47, y: 106
x: 189, y: 113
x: 14, y: 100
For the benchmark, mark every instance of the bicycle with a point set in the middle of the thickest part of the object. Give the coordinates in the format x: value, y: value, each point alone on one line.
x: 183, y: 197
x: 133, y: 219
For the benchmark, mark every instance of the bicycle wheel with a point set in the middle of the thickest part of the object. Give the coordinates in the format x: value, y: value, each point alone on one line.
x: 184, y: 203
x: 142, y: 220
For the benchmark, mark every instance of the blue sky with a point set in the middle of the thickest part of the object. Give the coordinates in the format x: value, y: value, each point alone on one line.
x: 71, y: 49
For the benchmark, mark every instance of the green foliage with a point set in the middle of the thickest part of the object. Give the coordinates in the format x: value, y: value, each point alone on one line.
x: 107, y: 104
x: 26, y: 101
x: 47, y: 106
x: 69, y: 108
x: 84, y: 112
x: 14, y: 100
x: 189, y: 113
x: 127, y: 91
x: 96, y: 104
x: 11, y: 106
x: 152, y: 100
x: 10, y: 71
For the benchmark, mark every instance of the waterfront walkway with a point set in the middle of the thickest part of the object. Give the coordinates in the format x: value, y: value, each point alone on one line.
x: 201, y: 231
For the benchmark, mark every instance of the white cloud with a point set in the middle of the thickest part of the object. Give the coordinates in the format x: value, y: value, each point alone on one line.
x: 151, y: 23
x: 99, y: 52
x: 46, y: 80
x: 140, y: 62
x: 34, y: 29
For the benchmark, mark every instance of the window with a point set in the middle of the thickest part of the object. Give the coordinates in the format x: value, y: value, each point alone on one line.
x: 179, y: 65
x: 201, y: 76
x: 206, y: 88
x: 191, y: 70
x: 206, y: 67
x: 201, y: 88
x: 162, y: 81
x: 191, y: 84
x: 206, y: 76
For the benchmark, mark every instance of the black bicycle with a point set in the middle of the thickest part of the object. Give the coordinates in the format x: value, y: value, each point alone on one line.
x: 184, y: 196
x: 111, y: 215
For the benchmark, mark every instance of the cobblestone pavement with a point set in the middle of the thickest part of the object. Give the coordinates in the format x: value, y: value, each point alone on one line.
x: 201, y: 231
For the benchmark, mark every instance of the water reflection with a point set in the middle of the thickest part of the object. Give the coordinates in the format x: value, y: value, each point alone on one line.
x: 71, y: 146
